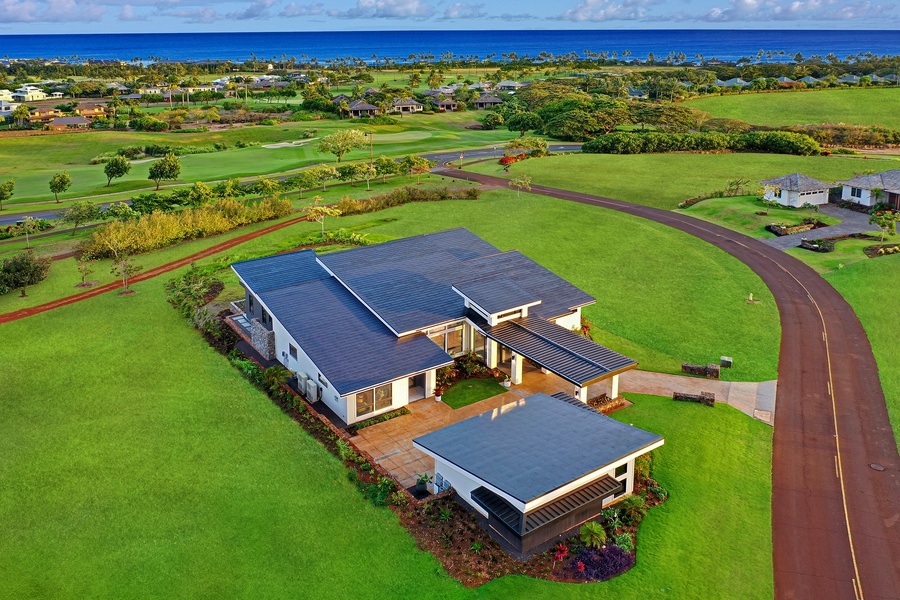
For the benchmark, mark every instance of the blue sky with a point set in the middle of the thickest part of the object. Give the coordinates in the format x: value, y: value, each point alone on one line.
x: 123, y: 16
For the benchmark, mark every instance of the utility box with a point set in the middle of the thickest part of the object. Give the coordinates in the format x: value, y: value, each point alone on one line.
x: 312, y: 391
x: 725, y: 362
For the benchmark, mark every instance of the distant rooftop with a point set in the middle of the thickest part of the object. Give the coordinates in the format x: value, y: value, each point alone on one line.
x: 798, y: 182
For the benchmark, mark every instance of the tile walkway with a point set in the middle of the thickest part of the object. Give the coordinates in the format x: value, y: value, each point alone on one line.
x: 390, y: 443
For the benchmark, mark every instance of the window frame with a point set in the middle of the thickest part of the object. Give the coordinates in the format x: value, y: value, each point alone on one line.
x: 292, y: 351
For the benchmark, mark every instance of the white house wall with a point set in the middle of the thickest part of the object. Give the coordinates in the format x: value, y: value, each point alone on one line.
x: 570, y: 321
x: 399, y: 398
x: 865, y: 199
x: 462, y: 482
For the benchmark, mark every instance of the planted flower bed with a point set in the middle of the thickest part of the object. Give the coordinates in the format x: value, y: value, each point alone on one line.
x: 881, y: 250
x: 468, y: 366
x: 820, y: 245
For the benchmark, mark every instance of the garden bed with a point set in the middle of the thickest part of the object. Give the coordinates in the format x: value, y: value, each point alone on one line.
x: 781, y: 229
x: 881, y: 250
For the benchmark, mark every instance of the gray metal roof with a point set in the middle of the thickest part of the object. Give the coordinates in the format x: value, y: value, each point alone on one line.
x: 353, y: 349
x: 797, y: 182
x: 407, y: 282
x: 496, y: 293
x: 564, y: 352
x: 281, y: 270
x: 888, y: 181
x: 536, y: 445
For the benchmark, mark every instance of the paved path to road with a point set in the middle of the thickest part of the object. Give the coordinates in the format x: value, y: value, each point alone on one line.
x: 835, y: 520
x: 851, y: 222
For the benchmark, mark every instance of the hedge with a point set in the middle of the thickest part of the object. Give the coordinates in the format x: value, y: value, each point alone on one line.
x: 775, y: 142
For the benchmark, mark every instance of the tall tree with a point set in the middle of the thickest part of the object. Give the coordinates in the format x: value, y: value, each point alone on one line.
x: 413, y: 164
x: 6, y: 191
x: 59, y: 183
x: 20, y: 114
x: 168, y: 168
x: 317, y: 212
x: 115, y: 167
x: 341, y: 142
x: 81, y: 211
x: 524, y: 121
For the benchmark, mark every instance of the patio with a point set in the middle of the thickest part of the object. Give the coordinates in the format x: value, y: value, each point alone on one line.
x: 390, y: 443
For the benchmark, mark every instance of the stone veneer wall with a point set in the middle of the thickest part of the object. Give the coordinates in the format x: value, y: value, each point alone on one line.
x: 263, y: 339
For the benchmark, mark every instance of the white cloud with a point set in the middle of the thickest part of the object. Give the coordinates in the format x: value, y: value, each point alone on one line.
x: 17, y: 11
x: 127, y: 13
x: 606, y: 10
x: 256, y: 10
x: 302, y: 10
x: 386, y: 9
x: 204, y: 14
x: 68, y: 11
x: 463, y: 10
x: 795, y: 10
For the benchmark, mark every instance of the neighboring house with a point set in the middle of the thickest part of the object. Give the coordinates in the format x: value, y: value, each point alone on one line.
x: 785, y: 80
x: 341, y: 98
x: 848, y: 79
x: 636, y: 94
x: 735, y: 81
x: 797, y: 189
x: 536, y: 469
x: 6, y: 109
x: 445, y: 105
x: 407, y: 106
x: 481, y: 86
x: 810, y: 80
x: 91, y: 111
x: 360, y: 109
x: 509, y: 86
x: 68, y: 123
x: 152, y: 89
x: 366, y: 329
x: 486, y: 102
x: 860, y: 189
x: 893, y: 78
x: 43, y: 115
x: 56, y: 95
x: 131, y: 97
x: 6, y: 95
x: 29, y: 93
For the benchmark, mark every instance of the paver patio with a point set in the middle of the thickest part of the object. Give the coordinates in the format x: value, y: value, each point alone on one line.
x: 390, y: 443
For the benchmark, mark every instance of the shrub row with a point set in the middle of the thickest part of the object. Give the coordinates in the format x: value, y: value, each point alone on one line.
x: 379, y: 419
x: 159, y: 230
x: 775, y: 142
x: 400, y: 196
x: 11, y: 231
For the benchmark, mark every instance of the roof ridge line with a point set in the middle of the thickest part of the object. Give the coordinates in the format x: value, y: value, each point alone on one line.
x: 549, y: 341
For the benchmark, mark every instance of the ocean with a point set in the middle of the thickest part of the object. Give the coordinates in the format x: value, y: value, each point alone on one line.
x: 721, y: 44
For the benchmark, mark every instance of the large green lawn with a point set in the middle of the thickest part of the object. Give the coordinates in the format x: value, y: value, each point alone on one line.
x: 664, y: 180
x: 33, y: 161
x: 870, y: 286
x: 874, y: 106
x: 138, y: 463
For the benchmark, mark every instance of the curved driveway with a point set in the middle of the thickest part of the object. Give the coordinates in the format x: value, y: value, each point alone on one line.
x: 835, y: 520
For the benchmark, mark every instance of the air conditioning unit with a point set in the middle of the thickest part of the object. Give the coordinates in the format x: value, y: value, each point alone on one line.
x: 301, y: 383
x: 312, y: 390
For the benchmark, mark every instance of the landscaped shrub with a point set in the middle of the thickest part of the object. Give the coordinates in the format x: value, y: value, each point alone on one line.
x: 775, y: 142
x: 596, y: 564
x: 593, y: 534
x: 381, y: 120
x: 192, y: 291
x: 379, y: 419
x: 345, y: 236
x: 11, y: 231
x: 625, y: 542
x: 159, y: 230
x: 401, y: 196
x: 634, y: 509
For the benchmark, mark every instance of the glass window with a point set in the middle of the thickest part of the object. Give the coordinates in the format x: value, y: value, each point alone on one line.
x: 856, y: 192
x: 365, y: 402
x: 250, y: 303
x: 438, y: 338
x: 292, y: 351
x: 621, y: 470
x: 454, y: 341
x: 383, y: 396
x: 478, y: 343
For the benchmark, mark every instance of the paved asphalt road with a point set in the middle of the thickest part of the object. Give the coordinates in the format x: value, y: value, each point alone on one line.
x: 835, y: 519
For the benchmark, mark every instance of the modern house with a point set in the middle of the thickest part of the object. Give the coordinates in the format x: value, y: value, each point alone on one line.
x: 6, y: 109
x: 360, y: 109
x: 735, y: 81
x: 68, y: 123
x: 809, y: 80
x: 365, y: 329
x: 849, y: 79
x: 869, y: 190
x: 5, y: 95
x: 536, y: 469
x: 407, y: 106
x: 510, y: 86
x: 796, y: 189
x: 91, y: 111
x: 29, y: 93
x: 486, y: 102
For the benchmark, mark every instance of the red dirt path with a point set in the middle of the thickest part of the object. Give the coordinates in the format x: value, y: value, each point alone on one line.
x: 102, y: 289
x: 835, y: 520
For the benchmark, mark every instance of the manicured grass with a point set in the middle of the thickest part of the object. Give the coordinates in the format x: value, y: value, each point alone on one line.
x: 873, y: 106
x: 664, y: 180
x: 19, y: 156
x: 138, y: 463
x: 468, y: 391
x: 870, y: 287
x: 846, y: 253
x: 713, y: 538
x: 739, y: 213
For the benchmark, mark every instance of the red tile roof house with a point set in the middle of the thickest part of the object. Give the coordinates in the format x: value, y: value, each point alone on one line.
x: 368, y: 327
x: 365, y: 329
x: 360, y: 109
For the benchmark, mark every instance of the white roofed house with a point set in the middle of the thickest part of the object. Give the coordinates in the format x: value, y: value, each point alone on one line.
x: 29, y: 93
x: 796, y: 189
x: 6, y: 109
x: 366, y: 329
x: 872, y: 189
x: 5, y: 95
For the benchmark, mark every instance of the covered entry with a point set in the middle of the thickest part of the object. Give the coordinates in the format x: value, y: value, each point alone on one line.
x: 557, y: 350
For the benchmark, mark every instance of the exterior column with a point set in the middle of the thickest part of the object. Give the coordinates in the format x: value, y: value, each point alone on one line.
x: 581, y: 393
x: 613, y: 388
x: 516, y: 369
x: 491, y: 353
x: 430, y: 382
